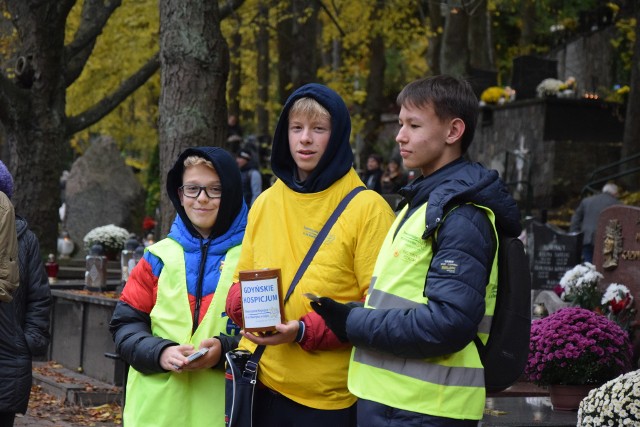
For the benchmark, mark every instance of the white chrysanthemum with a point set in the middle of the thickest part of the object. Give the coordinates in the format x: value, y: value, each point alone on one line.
x: 111, y: 237
x: 614, y: 403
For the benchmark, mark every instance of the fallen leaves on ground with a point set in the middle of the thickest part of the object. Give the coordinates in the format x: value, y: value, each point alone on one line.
x: 46, y: 406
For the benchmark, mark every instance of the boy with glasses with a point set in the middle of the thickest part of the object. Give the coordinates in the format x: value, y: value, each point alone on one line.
x: 173, y: 303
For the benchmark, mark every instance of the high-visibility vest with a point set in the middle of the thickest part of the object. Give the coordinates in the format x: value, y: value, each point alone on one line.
x: 186, y: 398
x: 450, y: 386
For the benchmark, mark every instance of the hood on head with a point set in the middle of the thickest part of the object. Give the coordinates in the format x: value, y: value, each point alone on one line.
x: 336, y: 161
x: 230, y: 180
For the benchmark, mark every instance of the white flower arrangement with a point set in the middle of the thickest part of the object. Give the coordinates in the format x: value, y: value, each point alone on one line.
x: 549, y: 87
x: 580, y: 286
x: 111, y: 237
x: 615, y: 403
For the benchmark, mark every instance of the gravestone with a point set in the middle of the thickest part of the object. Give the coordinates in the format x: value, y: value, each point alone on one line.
x: 528, y: 72
x: 616, y: 252
x: 100, y: 190
x: 552, y: 252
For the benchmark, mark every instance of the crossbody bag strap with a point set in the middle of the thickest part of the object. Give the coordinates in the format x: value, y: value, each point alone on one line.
x: 308, y: 258
x: 320, y: 238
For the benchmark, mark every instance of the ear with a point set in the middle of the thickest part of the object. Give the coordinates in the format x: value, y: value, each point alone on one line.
x: 456, y: 129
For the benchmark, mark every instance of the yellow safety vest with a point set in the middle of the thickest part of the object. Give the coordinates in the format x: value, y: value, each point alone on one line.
x: 186, y: 398
x: 450, y: 386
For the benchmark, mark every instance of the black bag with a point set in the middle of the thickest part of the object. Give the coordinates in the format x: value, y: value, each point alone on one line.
x: 242, y: 367
x: 240, y: 382
x: 505, y: 354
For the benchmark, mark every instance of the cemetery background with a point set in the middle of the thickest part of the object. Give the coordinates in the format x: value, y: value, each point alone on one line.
x: 510, y: 123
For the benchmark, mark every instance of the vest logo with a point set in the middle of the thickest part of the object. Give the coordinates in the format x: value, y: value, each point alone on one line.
x: 449, y: 266
x: 396, y: 253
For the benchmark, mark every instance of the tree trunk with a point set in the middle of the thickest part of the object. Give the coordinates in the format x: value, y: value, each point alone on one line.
x: 297, y: 41
x: 262, y: 69
x: 235, y: 72
x: 479, y: 39
x: 436, y: 28
x: 194, y: 60
x: 454, y: 58
x: 528, y: 14
x: 374, y: 102
x: 631, y: 138
x: 35, y: 123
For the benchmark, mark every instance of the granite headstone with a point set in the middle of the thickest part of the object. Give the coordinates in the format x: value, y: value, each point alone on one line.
x: 101, y: 189
x: 552, y: 252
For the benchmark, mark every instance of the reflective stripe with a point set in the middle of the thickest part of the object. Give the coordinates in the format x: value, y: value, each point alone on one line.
x: 421, y: 369
x: 485, y: 325
x: 381, y: 299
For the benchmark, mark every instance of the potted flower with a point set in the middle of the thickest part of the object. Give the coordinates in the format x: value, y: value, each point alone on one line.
x: 579, y: 286
x: 576, y: 347
x: 111, y: 237
x: 615, y: 403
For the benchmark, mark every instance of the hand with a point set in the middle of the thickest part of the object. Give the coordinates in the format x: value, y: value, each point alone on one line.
x: 335, y: 315
x: 285, y: 333
x: 173, y: 358
x: 210, y: 359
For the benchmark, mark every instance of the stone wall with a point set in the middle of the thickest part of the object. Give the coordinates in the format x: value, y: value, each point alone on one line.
x: 558, y: 142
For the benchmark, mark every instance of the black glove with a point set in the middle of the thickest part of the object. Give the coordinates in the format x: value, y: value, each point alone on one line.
x: 335, y: 315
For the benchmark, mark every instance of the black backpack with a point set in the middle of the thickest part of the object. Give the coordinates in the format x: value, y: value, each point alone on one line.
x: 505, y: 354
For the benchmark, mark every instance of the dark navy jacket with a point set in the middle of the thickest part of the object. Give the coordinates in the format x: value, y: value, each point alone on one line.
x: 449, y: 321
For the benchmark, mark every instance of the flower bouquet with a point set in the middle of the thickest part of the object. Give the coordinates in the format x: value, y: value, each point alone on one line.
x: 577, y: 346
x: 615, y: 403
x: 110, y: 237
x: 618, y: 305
x: 579, y: 286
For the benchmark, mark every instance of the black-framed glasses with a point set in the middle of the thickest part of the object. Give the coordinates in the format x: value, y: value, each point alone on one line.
x: 193, y: 191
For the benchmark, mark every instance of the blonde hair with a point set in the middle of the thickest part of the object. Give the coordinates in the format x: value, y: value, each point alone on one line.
x: 197, y: 160
x: 309, y: 108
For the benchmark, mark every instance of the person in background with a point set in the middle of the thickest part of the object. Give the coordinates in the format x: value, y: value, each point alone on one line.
x: 433, y: 291
x: 303, y: 371
x: 24, y: 322
x: 251, y: 178
x: 372, y: 176
x: 9, y: 278
x: 234, y: 132
x: 585, y: 218
x: 393, y: 178
x: 173, y: 302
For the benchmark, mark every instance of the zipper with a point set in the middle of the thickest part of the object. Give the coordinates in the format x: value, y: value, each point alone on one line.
x: 203, y: 259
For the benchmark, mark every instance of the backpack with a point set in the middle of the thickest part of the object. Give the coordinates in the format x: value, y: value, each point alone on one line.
x: 505, y: 354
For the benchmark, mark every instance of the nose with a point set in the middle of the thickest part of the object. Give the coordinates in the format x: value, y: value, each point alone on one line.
x: 401, y: 137
x: 305, y: 136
